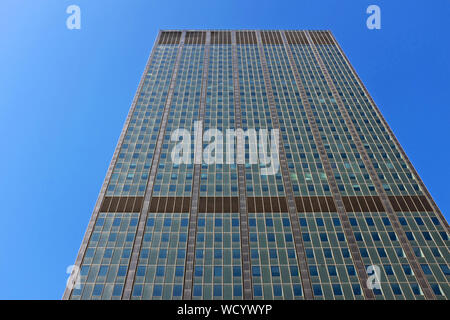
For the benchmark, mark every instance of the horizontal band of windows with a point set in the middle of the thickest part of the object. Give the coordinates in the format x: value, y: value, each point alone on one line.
x: 121, y: 204
x: 265, y: 204
x: 374, y: 204
x: 170, y: 204
x: 268, y: 37
x: 410, y: 203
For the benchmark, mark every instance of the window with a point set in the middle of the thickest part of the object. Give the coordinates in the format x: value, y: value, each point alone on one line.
x: 275, y: 270
x: 297, y: 290
x: 103, y: 271
x: 392, y: 236
x: 117, y: 291
x: 445, y: 269
x: 177, y: 290
x: 337, y: 290
x: 410, y: 236
x: 396, y: 289
x: 345, y: 253
x: 198, y: 271
x: 237, y: 290
x: 179, y: 271
x: 157, y: 290
x: 137, y: 290
x: 317, y: 290
x: 356, y: 289
x: 199, y: 254
x: 416, y: 289
x: 218, y: 253
x: 427, y: 235
x: 294, y: 271
x: 377, y: 292
x: 98, y: 288
x: 217, y: 290
x: 388, y: 269
x: 140, y: 271
x: 332, y: 271
x: 407, y: 270
x: 217, y: 271
x: 381, y: 252
x: 257, y: 290
x: 236, y: 271
x: 303, y: 222
x: 418, y: 252
x: 364, y: 252
x: 336, y: 222
x: 122, y: 271
x: 351, y: 270
x: 309, y: 253
x: 197, y: 291
x: 400, y: 252
x: 277, y: 291
x: 436, y: 252
x: 426, y: 269
x: 386, y: 221
x: 435, y: 221
x: 436, y: 289
x: 160, y: 271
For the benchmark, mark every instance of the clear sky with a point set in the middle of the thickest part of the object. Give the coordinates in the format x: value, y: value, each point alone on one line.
x: 64, y: 96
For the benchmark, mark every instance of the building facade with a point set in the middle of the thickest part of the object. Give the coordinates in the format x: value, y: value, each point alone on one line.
x: 344, y: 215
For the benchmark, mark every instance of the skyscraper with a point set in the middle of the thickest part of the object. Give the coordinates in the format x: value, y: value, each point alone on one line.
x: 344, y: 214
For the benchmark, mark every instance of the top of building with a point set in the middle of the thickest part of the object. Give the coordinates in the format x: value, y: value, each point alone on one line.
x: 273, y: 37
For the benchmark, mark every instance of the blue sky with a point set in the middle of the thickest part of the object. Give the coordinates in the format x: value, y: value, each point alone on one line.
x: 64, y: 96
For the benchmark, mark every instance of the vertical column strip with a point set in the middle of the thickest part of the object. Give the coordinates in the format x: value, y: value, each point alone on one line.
x: 376, y: 181
x: 148, y: 191
x: 192, y: 230
x: 293, y: 214
x: 394, y: 138
x: 112, y: 164
x: 340, y: 208
x: 243, y: 212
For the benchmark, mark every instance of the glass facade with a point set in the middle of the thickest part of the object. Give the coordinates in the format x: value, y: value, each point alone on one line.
x: 346, y: 199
